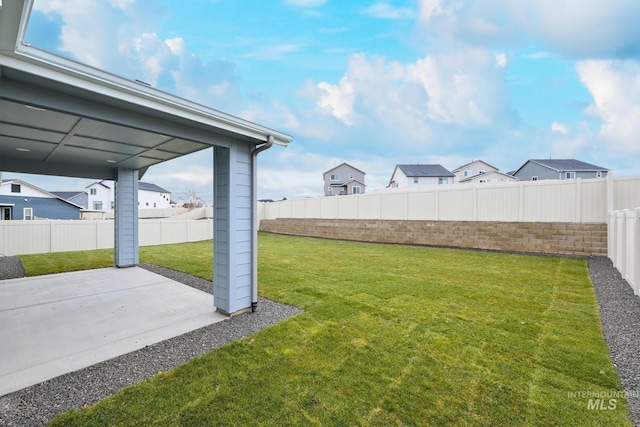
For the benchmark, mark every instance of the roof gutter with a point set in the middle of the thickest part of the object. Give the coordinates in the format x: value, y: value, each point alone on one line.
x: 255, y: 222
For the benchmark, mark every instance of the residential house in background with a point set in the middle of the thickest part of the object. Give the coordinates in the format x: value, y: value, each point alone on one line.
x: 492, y: 177
x: 539, y: 169
x: 20, y: 200
x: 80, y: 198
x: 480, y: 172
x: 472, y: 169
x: 415, y: 175
x: 150, y: 196
x: 343, y: 179
x: 101, y: 195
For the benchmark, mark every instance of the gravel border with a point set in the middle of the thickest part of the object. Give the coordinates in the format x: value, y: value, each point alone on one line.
x: 620, y: 317
x: 11, y: 267
x: 39, y: 404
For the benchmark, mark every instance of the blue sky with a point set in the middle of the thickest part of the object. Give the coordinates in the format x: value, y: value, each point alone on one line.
x: 374, y: 83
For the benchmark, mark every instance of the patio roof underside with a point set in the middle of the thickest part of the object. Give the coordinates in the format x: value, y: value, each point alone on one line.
x: 50, y: 128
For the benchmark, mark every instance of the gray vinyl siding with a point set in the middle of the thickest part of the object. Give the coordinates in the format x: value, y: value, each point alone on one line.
x: 43, y: 207
x: 126, y: 218
x: 81, y: 200
x: 542, y: 172
x: 232, y: 228
x: 344, y: 171
x: 533, y: 169
x: 589, y: 174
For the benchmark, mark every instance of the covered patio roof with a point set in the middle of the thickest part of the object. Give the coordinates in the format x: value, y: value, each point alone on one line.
x: 60, y: 117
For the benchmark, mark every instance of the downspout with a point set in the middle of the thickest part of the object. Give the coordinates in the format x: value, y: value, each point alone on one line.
x: 254, y: 224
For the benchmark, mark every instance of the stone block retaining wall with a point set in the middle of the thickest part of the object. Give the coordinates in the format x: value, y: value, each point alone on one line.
x: 578, y: 239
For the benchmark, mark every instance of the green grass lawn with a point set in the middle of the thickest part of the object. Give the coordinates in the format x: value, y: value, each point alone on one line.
x: 391, y: 335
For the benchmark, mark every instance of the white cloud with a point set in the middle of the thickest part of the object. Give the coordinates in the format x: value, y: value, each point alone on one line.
x: 501, y: 60
x: 464, y: 88
x: 576, y: 28
x: 559, y: 127
x: 338, y: 99
x: 615, y: 88
x: 386, y: 11
x: 123, y: 42
x: 430, y: 9
x: 570, y: 143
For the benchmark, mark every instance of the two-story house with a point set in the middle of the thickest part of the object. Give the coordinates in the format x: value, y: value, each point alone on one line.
x: 20, y: 200
x: 480, y: 172
x: 539, y: 169
x: 415, y: 175
x: 343, y: 179
x: 150, y: 196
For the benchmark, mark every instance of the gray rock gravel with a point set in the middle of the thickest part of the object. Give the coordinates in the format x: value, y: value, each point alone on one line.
x: 620, y: 316
x: 36, y: 405
x: 11, y: 267
x: 39, y: 404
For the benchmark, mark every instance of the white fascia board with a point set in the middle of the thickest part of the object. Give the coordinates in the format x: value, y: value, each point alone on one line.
x: 53, y: 67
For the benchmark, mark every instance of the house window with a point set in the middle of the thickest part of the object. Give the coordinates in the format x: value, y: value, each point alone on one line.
x: 534, y: 178
x: 335, y: 177
x: 15, y: 188
x: 415, y: 180
x: 97, y: 206
x: 113, y: 205
x: 356, y: 189
x: 27, y: 214
x: 467, y: 173
x: 443, y: 181
x: 350, y: 176
x: 598, y: 174
x: 494, y: 180
x: 570, y: 175
x: 93, y: 191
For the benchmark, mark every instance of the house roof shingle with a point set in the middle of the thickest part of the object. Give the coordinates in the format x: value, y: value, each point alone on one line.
x: 67, y: 194
x: 563, y: 165
x: 425, y: 171
x: 343, y: 164
x: 472, y: 162
x: 151, y: 187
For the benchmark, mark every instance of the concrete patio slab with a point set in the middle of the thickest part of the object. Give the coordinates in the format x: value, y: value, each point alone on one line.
x: 54, y: 324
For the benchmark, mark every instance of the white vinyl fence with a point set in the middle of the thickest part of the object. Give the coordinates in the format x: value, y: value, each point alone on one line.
x: 44, y: 236
x: 585, y: 201
x: 624, y: 245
